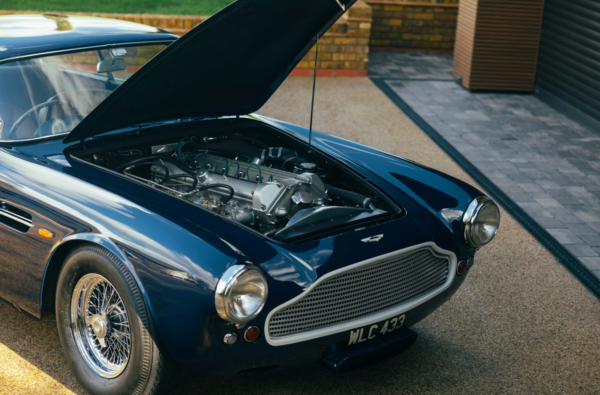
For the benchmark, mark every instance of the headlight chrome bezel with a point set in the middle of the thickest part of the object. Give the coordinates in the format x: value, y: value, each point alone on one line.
x: 470, y: 216
x: 226, y: 284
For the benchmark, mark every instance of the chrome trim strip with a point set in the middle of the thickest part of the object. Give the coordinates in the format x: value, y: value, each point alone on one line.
x: 87, y: 48
x: 300, y: 337
x: 9, y: 143
x: 16, y: 217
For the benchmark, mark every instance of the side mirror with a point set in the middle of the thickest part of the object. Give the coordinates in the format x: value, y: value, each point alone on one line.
x: 108, y: 65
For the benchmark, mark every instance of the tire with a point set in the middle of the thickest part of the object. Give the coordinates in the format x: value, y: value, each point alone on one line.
x: 124, y: 355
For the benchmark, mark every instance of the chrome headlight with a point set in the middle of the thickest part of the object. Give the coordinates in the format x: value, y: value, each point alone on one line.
x: 241, y: 294
x: 481, y: 219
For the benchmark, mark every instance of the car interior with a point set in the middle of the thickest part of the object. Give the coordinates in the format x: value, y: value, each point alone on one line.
x: 39, y: 99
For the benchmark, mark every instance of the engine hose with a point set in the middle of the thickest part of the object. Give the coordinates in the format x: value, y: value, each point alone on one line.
x: 211, y: 186
x: 149, y: 158
x: 224, y: 167
x: 182, y: 143
x: 351, y: 197
x: 226, y: 173
x: 187, y: 158
x: 196, y: 159
x: 174, y: 176
x: 259, y: 172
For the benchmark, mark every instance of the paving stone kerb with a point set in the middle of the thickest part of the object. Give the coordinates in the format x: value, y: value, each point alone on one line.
x: 343, y: 50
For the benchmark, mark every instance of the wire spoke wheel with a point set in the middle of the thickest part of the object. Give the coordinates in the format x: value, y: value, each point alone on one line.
x: 100, y: 325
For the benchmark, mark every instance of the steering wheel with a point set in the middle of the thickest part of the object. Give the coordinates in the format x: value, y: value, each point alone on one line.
x: 18, y: 122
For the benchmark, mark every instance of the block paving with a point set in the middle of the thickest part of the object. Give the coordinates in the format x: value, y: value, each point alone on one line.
x: 546, y: 162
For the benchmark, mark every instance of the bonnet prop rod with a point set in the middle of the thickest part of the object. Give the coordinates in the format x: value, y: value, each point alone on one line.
x: 312, y: 105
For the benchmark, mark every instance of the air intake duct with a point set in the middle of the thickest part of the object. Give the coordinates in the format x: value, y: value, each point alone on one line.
x: 350, y: 197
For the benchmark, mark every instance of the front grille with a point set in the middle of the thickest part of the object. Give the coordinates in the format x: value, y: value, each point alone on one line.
x: 363, y: 291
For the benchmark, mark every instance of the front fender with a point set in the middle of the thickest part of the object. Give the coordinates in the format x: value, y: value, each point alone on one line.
x: 68, y: 243
x: 422, y: 191
x: 175, y: 261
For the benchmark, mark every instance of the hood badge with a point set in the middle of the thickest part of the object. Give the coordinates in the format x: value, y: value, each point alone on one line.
x: 372, y: 239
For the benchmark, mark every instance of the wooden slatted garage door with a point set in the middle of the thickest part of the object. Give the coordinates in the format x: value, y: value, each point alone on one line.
x: 569, y: 60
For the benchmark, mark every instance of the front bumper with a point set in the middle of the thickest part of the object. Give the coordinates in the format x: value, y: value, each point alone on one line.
x: 242, y: 357
x: 344, y: 360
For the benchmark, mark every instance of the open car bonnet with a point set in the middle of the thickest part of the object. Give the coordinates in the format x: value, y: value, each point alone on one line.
x: 230, y: 64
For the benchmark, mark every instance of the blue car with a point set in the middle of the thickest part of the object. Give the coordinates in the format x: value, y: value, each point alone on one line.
x: 169, y: 227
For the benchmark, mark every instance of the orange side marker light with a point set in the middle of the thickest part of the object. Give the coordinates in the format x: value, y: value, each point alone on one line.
x: 46, y: 233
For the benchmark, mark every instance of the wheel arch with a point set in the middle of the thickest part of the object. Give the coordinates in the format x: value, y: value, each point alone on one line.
x: 57, y: 258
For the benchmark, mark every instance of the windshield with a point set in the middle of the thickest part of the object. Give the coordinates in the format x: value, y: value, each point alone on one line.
x: 50, y: 95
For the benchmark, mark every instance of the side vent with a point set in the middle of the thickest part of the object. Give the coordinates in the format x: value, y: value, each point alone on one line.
x: 15, y: 218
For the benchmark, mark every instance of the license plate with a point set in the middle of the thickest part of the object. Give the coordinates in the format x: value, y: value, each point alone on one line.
x: 376, y: 330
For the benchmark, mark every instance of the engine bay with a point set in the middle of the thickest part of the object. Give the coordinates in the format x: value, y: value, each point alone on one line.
x: 282, y: 191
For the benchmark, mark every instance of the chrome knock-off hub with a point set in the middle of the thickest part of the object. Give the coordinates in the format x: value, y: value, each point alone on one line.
x: 100, y: 325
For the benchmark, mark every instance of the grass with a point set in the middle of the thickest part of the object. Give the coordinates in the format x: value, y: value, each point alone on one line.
x: 187, y: 7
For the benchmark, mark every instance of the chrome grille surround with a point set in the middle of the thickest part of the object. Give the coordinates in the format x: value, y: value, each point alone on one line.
x: 361, y: 294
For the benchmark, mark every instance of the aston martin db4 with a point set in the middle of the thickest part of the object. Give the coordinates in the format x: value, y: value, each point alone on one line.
x: 167, y: 225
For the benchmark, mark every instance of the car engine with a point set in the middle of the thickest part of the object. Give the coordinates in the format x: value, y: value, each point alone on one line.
x: 273, y: 190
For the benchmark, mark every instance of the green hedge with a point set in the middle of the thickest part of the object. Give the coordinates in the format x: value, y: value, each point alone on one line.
x: 185, y: 7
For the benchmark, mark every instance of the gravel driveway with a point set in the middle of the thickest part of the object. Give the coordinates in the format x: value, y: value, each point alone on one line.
x: 519, y: 324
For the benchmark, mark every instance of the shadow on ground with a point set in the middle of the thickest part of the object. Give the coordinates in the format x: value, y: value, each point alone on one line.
x: 36, y: 344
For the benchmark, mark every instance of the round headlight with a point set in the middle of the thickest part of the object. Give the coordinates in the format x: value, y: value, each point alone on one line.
x: 241, y: 294
x: 482, y: 219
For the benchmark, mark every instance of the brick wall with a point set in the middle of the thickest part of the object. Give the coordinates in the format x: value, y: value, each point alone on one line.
x: 343, y: 50
x: 421, y: 25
